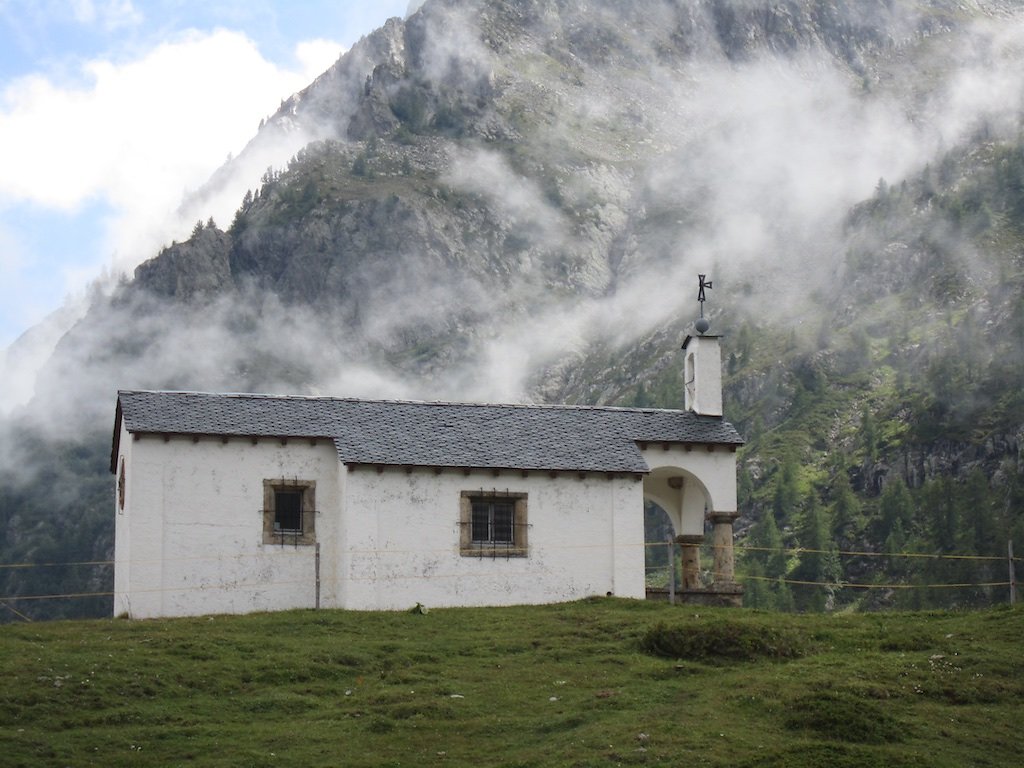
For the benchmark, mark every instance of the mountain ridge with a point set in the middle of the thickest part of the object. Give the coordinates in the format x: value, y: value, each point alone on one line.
x: 508, y: 201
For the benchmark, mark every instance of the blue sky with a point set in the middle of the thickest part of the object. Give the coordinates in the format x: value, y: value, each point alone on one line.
x: 110, y: 110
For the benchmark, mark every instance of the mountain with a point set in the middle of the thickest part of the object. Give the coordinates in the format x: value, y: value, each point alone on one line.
x: 497, y: 200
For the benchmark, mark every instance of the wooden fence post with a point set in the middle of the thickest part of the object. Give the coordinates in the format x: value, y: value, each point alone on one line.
x: 671, y: 570
x: 1013, y: 573
x: 317, y: 557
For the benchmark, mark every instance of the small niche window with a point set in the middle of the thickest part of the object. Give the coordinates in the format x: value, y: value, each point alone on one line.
x: 120, y: 487
x: 493, y: 524
x: 690, y: 380
x: 289, y: 512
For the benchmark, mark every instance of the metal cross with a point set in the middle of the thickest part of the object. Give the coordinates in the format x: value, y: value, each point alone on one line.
x: 700, y: 292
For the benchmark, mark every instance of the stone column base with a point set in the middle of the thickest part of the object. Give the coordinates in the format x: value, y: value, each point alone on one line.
x: 718, y: 595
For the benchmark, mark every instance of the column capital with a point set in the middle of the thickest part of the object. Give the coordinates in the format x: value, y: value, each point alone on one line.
x: 719, y: 518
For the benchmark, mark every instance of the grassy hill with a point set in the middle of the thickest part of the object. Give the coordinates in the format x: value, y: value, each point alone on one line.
x: 598, y: 682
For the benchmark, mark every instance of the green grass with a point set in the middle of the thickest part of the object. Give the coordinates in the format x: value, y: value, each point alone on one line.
x: 593, y: 683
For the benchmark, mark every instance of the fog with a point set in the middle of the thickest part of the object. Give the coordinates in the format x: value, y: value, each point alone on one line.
x: 750, y: 170
x: 742, y: 168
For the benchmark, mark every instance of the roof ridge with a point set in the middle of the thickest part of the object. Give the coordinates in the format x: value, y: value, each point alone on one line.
x: 397, y: 401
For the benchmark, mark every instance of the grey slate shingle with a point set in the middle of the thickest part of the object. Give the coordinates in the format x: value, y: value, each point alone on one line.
x: 408, y: 433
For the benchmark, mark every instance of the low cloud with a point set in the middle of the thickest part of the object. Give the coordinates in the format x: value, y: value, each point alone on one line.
x: 753, y: 168
x: 516, y: 199
x: 986, y: 88
x: 131, y: 140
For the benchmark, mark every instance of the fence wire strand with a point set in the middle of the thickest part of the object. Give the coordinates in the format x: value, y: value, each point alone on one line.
x: 272, y: 550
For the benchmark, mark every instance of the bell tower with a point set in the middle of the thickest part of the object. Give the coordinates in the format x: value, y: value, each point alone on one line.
x: 702, y: 373
x: 702, y: 365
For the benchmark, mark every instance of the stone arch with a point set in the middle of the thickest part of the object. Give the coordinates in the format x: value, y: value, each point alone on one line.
x: 682, y: 495
x: 685, y: 499
x: 695, y: 484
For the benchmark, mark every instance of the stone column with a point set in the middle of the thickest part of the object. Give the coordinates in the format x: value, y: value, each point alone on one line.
x: 690, y: 548
x: 725, y: 559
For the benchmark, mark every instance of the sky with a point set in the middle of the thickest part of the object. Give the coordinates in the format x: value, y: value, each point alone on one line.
x: 112, y: 110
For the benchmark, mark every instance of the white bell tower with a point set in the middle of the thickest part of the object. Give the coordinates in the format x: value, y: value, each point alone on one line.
x: 702, y: 365
x: 702, y: 374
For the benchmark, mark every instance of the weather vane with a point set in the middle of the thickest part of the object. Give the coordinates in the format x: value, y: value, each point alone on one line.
x: 702, y: 325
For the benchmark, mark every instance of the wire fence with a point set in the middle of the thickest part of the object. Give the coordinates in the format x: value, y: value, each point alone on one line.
x: 663, y: 572
x: 652, y: 571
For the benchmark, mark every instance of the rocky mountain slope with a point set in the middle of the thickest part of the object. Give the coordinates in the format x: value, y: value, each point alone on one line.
x: 497, y: 200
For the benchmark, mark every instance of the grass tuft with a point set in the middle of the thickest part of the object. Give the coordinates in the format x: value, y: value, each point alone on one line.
x: 841, y: 716
x: 723, y: 640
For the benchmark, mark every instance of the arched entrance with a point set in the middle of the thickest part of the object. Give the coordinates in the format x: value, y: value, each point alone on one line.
x: 661, y: 573
x: 684, y: 501
x: 689, y: 485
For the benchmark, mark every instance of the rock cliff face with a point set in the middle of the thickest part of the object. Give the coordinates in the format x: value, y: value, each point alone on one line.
x: 185, y: 271
x: 498, y: 200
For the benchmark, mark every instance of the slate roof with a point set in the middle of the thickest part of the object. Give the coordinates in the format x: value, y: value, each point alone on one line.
x: 409, y: 433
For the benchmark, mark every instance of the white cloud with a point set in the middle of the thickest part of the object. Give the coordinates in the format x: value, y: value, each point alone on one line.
x: 314, y: 56
x: 110, y: 15
x: 144, y: 132
x: 153, y: 126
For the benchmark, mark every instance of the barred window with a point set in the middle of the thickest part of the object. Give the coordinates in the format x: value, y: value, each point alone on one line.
x: 289, y: 512
x: 493, y: 523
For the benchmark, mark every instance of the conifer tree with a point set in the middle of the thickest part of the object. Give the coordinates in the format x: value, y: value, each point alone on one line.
x: 766, y: 568
x: 976, y: 507
x: 939, y: 507
x: 819, y: 561
x: 784, y: 597
x: 786, y: 494
x: 769, y: 542
x: 846, y: 512
x: 893, y: 546
x: 757, y: 592
x: 896, y: 506
x: 869, y: 434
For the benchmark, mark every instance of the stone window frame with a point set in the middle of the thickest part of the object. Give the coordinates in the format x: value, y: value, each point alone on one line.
x: 307, y: 534
x: 518, y: 547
